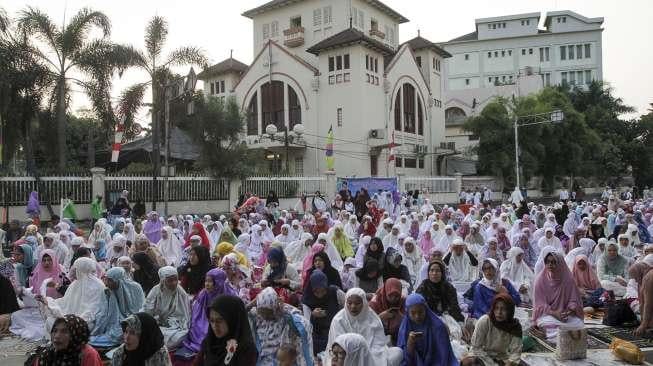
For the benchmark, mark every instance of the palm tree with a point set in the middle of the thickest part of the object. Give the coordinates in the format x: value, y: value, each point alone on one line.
x: 23, y: 82
x: 68, y: 49
x: 158, y: 69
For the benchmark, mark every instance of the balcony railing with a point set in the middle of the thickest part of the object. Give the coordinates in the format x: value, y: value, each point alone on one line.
x: 294, y: 37
x: 375, y: 33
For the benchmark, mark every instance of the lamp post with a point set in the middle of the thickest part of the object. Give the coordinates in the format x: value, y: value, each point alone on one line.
x: 271, y: 130
x: 555, y: 116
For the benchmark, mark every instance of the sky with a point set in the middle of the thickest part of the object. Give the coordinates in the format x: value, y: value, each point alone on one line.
x: 218, y: 27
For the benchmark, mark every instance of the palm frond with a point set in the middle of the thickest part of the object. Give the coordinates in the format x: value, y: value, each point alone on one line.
x: 33, y: 21
x: 4, y: 21
x: 76, y: 32
x: 187, y: 56
x: 156, y: 34
x: 131, y: 100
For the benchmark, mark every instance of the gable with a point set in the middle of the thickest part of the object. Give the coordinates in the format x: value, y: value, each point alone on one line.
x: 404, y: 65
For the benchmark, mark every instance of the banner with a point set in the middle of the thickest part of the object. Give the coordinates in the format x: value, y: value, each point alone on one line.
x: 329, y: 150
x: 372, y: 184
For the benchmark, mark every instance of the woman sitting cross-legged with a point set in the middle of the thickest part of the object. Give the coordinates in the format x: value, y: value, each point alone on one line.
x: 556, y: 299
x: 423, y: 337
x: 497, y: 338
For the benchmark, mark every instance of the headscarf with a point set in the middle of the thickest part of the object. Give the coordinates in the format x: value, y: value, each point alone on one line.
x: 433, y: 348
x: 118, y: 241
x: 195, y: 274
x: 33, y: 207
x: 129, y: 294
x: 8, y: 301
x: 440, y: 296
x: 356, y: 349
x: 225, y: 248
x: 616, y: 265
x: 517, y: 273
x: 84, y: 295
x: 366, y: 323
x: 278, y: 272
x: 150, y: 338
x: 79, y: 335
x: 200, y: 309
x: 206, y: 243
x: 380, y: 301
x: 24, y: 268
x: 39, y: 275
x: 510, y: 325
x: 232, y: 310
x: 146, y: 275
x: 586, y: 279
x: 152, y: 227
x: 556, y: 291
x: 170, y: 248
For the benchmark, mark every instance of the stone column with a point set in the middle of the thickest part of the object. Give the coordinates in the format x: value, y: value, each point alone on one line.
x: 458, y: 184
x: 97, y: 182
x: 330, y: 186
x: 234, y: 192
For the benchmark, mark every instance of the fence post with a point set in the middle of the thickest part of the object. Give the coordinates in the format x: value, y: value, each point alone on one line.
x: 330, y: 185
x: 97, y: 182
x: 401, y: 182
x: 234, y: 192
x: 458, y: 185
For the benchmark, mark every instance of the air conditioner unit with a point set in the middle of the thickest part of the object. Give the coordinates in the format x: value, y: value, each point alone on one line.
x: 377, y: 134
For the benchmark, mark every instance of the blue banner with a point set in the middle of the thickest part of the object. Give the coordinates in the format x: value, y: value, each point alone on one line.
x: 372, y: 184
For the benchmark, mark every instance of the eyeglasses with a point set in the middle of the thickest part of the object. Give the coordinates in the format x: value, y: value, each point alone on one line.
x: 340, y: 355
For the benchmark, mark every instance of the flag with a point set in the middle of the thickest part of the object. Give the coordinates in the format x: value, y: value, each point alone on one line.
x: 329, y: 150
x: 117, y: 140
x: 391, y: 157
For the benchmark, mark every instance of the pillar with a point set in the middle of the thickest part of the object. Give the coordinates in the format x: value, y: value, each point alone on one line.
x: 234, y: 192
x: 97, y: 182
x: 458, y: 184
x: 331, y: 185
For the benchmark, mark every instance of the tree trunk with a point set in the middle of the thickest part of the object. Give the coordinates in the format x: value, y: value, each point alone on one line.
x: 91, y: 148
x: 61, y: 122
x: 156, y: 145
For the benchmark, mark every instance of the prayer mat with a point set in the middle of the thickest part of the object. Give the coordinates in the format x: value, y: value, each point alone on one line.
x: 606, y: 335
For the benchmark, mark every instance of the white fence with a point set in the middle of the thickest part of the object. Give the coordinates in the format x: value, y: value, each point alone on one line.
x: 285, y: 187
x: 188, y: 188
x: 15, y: 191
x: 430, y: 184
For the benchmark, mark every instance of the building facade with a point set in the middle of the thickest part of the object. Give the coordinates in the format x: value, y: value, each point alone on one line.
x: 515, y: 55
x: 337, y: 69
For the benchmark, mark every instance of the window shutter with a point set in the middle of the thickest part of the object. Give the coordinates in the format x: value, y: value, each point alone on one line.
x: 317, y: 17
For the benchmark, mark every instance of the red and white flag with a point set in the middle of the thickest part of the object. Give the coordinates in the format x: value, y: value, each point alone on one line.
x: 117, y: 140
x: 391, y: 157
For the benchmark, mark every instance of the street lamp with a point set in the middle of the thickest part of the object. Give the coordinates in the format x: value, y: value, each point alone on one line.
x: 555, y: 116
x: 271, y: 130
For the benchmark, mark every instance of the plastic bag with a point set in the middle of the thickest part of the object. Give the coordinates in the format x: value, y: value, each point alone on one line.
x: 626, y: 351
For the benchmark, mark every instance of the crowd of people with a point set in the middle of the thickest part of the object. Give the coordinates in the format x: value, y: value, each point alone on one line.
x: 381, y: 279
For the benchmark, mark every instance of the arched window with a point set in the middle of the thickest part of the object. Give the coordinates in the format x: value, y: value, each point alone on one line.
x: 454, y: 116
x: 272, y: 104
x: 420, y: 118
x: 408, y: 105
x: 295, y: 108
x: 252, y: 116
x: 398, y: 111
x: 409, y: 108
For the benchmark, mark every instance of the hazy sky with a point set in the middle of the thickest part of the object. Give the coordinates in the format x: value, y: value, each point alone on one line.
x: 217, y: 26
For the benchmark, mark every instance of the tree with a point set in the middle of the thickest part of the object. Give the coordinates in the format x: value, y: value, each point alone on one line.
x: 158, y: 70
x: 67, y: 49
x: 215, y: 127
x: 23, y: 79
x: 547, y: 149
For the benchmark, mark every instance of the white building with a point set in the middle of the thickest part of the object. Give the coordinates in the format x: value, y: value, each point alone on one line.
x: 514, y: 55
x: 333, y: 64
